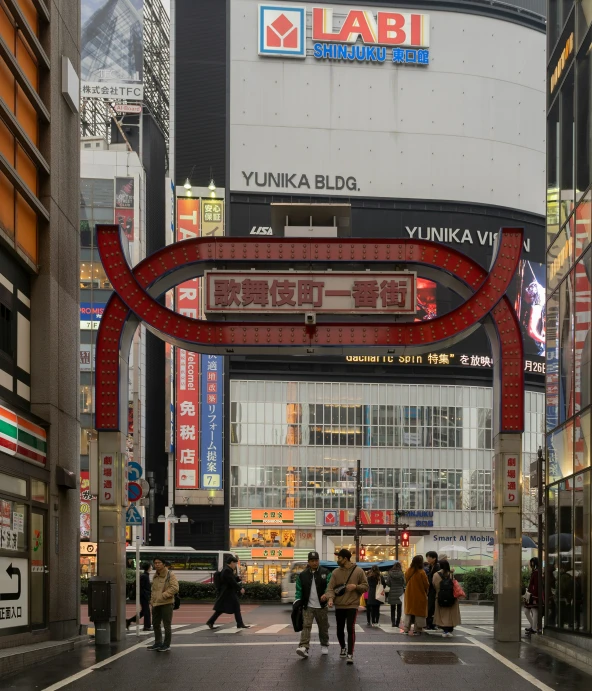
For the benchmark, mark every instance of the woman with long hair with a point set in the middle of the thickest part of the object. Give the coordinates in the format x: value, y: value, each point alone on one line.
x: 396, y: 582
x: 447, y: 614
x: 416, y: 596
x: 372, y: 604
x: 531, y: 598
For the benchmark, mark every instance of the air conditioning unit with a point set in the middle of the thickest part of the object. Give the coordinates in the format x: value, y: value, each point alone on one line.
x: 94, y: 144
x: 311, y: 220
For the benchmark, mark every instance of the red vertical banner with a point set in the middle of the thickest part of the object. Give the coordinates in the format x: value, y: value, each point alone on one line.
x: 187, y: 363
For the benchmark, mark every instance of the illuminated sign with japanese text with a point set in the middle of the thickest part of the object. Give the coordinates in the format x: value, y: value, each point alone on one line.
x: 511, y: 480
x: 330, y: 293
x: 212, y: 416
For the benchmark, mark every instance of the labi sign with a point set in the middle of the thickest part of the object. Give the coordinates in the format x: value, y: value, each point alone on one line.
x: 299, y: 181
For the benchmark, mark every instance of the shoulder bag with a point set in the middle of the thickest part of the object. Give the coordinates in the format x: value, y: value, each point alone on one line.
x: 340, y: 590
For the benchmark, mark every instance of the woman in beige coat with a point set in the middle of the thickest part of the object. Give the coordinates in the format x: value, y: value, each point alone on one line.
x: 445, y: 617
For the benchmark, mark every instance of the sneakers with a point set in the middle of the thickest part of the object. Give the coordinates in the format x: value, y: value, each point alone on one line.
x: 343, y: 652
x: 302, y: 651
x: 154, y: 646
x: 324, y: 650
x: 447, y: 634
x: 164, y: 649
x: 350, y: 659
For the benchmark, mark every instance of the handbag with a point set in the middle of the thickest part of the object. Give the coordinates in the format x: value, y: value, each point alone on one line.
x: 526, y: 597
x: 380, y: 595
x: 340, y: 590
x: 457, y: 590
x: 297, y: 616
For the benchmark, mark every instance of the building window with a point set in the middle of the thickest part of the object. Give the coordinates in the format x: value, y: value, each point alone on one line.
x: 6, y: 323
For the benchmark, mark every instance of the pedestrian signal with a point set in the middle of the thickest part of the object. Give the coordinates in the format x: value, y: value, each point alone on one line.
x: 405, y: 539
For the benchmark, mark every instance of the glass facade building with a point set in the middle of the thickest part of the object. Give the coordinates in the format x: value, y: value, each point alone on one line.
x: 568, y: 316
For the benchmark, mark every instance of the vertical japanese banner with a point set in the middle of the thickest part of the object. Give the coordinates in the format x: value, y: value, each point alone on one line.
x: 212, y: 217
x: 85, y: 504
x: 187, y: 364
x: 212, y: 416
x: 124, y: 206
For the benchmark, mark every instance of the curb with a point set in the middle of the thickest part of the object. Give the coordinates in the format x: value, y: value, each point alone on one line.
x: 16, y: 659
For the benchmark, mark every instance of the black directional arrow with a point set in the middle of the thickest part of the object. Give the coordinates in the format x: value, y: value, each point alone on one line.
x: 11, y: 570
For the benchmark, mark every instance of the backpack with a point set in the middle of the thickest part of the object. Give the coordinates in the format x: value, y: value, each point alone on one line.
x: 446, y: 593
x: 218, y: 580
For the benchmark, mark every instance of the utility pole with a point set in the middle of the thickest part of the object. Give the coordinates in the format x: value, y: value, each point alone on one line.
x: 541, y: 509
x: 397, y: 526
x: 358, y: 506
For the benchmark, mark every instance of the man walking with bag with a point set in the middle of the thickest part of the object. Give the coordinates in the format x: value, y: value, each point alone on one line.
x: 311, y: 585
x: 162, y: 599
x: 347, y: 584
x: 227, y: 601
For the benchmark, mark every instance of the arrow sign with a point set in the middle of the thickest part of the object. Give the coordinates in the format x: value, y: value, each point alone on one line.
x: 134, y: 491
x: 132, y: 517
x: 134, y: 471
x: 11, y: 570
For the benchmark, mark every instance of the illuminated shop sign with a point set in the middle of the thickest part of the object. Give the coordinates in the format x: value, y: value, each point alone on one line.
x: 564, y: 56
x: 346, y: 518
x: 440, y: 359
x: 362, y: 35
x: 294, y: 292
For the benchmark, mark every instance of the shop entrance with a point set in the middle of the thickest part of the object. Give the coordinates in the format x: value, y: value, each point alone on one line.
x: 265, y: 572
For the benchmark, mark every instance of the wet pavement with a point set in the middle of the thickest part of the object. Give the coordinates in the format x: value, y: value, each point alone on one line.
x: 263, y: 658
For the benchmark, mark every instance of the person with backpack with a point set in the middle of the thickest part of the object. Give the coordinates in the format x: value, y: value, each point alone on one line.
x: 447, y: 614
x: 396, y: 582
x: 162, y: 598
x: 311, y: 585
x: 228, y: 588
x: 432, y: 568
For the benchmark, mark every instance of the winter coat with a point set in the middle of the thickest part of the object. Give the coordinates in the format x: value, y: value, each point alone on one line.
x: 416, y: 592
x: 227, y: 601
x: 372, y: 584
x: 164, y: 587
x: 351, y: 598
x: 145, y: 588
x: 396, y: 582
x: 533, y: 589
x: 445, y: 616
x: 304, y: 584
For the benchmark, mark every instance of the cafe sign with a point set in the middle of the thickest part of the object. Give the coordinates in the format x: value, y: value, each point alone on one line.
x: 335, y: 292
x: 272, y: 516
x: 272, y: 553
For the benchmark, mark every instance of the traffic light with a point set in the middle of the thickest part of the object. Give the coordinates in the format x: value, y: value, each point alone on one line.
x: 405, y: 539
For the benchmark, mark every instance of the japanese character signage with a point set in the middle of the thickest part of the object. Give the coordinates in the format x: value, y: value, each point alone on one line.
x: 212, y: 217
x: 272, y: 553
x: 293, y: 292
x: 272, y: 516
x: 14, y: 593
x: 187, y: 363
x: 511, y: 480
x: 212, y: 420
x: 108, y: 479
x: 85, y: 505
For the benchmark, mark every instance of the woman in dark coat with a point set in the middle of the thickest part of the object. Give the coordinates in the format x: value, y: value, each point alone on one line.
x: 372, y: 604
x: 396, y: 582
x: 531, y: 601
x: 227, y: 601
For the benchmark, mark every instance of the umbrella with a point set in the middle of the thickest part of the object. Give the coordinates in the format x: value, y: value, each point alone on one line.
x: 564, y: 542
x: 528, y: 542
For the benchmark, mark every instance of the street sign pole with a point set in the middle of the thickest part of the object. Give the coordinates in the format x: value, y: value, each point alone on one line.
x: 358, y: 506
x: 137, y: 532
x: 397, y: 526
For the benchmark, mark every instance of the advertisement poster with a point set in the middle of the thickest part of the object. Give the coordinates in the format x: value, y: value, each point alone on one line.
x: 111, y: 49
x: 212, y: 217
x: 187, y: 297
x: 85, y: 499
x: 529, y: 303
x: 124, y: 206
x: 212, y: 415
x: 5, y: 514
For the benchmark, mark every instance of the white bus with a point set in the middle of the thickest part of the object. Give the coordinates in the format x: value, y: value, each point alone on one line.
x: 187, y: 563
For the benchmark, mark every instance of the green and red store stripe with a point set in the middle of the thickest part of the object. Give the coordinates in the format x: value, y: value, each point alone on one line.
x: 21, y: 438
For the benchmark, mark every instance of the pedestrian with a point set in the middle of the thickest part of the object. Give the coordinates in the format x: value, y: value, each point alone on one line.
x: 145, y: 592
x: 396, y: 582
x: 376, y: 585
x: 162, y: 599
x: 416, y: 597
x: 447, y: 613
x: 433, y: 567
x: 531, y: 598
x: 227, y: 601
x: 311, y: 585
x: 347, y: 583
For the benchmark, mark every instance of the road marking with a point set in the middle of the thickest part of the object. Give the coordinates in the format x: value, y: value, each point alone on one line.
x: 231, y: 629
x: 472, y: 631
x: 274, y: 628
x: 196, y: 630
x: 84, y: 672
x: 486, y: 628
x: 520, y: 672
x: 295, y: 643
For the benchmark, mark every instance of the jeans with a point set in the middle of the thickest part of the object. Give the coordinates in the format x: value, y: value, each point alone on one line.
x: 145, y: 612
x: 237, y: 616
x: 343, y: 617
x: 396, y: 614
x: 164, y: 614
x: 309, y: 615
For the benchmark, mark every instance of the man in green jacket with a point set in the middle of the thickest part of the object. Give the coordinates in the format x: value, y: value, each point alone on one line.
x: 311, y: 585
x: 347, y: 584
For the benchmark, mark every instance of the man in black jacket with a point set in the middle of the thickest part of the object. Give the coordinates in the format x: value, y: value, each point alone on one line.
x: 431, y: 570
x: 227, y: 601
x: 311, y: 585
x: 145, y: 592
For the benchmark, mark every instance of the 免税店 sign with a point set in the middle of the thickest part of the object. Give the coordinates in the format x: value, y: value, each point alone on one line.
x: 362, y: 36
x: 294, y: 292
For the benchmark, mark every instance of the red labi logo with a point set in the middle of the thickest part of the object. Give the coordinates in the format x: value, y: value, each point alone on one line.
x: 282, y: 33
